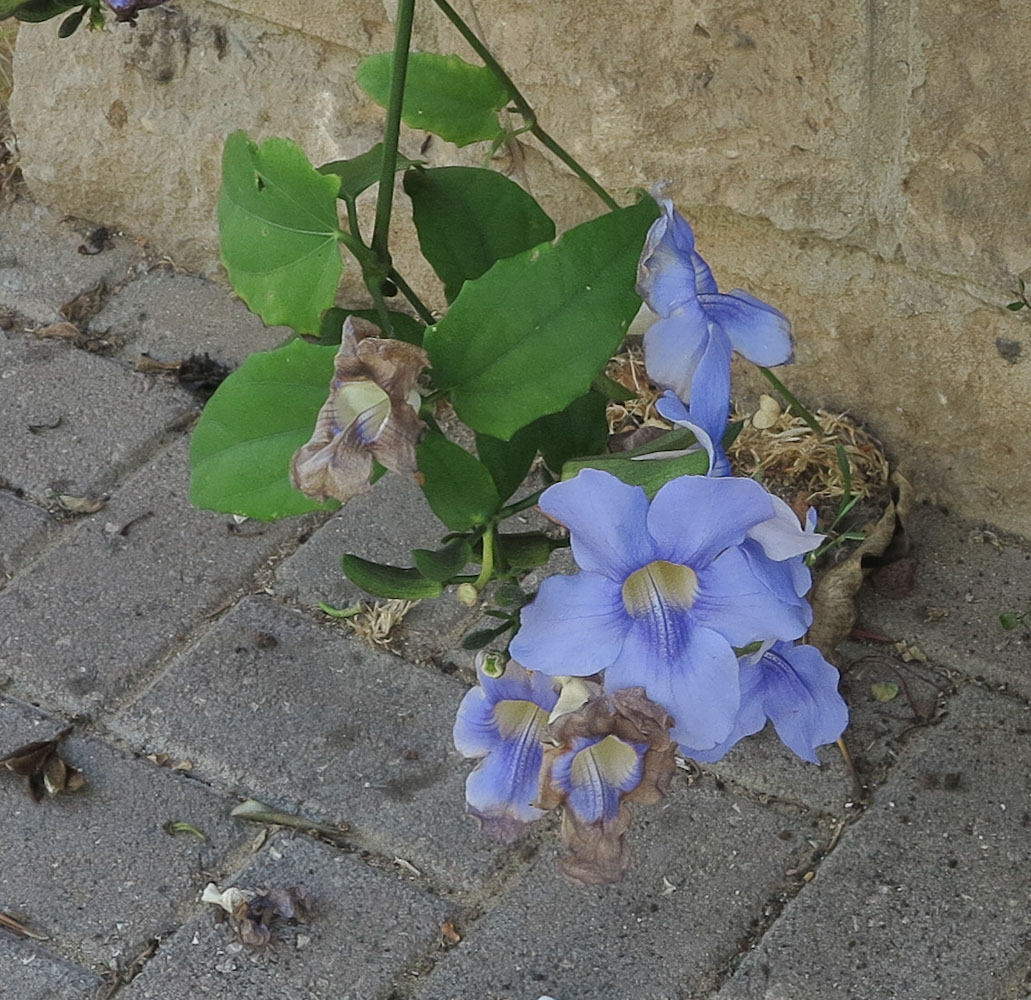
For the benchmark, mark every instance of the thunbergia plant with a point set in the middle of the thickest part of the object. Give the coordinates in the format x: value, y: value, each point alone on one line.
x: 684, y: 626
x: 75, y: 12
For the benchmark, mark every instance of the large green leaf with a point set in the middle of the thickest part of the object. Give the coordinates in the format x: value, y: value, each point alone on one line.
x: 528, y: 337
x: 251, y: 427
x: 362, y: 171
x: 468, y: 218
x: 582, y: 428
x: 278, y: 220
x: 443, y: 94
x: 458, y: 487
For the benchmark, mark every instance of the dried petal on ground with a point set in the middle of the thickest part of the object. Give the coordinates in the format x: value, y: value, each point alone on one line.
x: 46, y: 771
x: 833, y: 597
x: 252, y: 913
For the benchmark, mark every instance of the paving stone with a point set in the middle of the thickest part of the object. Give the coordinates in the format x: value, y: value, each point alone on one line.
x: 24, y: 529
x: 130, y: 582
x: 169, y: 316
x: 306, y: 716
x: 94, y: 870
x: 366, y: 925
x: 873, y: 737
x: 966, y: 577
x: 31, y: 973
x: 926, y: 895
x: 107, y: 417
x: 706, y: 865
x: 383, y: 525
x: 41, y: 267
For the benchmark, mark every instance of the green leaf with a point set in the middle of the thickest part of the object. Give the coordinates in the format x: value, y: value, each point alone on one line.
x: 445, y: 562
x: 444, y: 95
x: 362, y: 171
x: 458, y: 487
x: 481, y: 637
x: 389, y: 581
x: 612, y: 389
x: 468, y: 218
x: 332, y: 325
x: 884, y: 690
x: 248, y: 432
x: 529, y: 336
x: 71, y: 23
x: 508, y: 461
x: 510, y: 595
x: 277, y: 217
x: 1015, y: 306
x: 36, y: 11
x: 580, y: 429
x: 1008, y: 620
x: 526, y: 549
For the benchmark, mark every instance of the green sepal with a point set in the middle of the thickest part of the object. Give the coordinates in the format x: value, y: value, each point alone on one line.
x: 443, y: 563
x: 444, y: 95
x: 389, y: 581
x: 277, y: 218
x: 468, y: 218
x: 458, y: 487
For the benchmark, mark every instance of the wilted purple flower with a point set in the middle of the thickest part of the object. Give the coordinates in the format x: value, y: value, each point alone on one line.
x: 796, y: 689
x: 372, y: 413
x: 610, y: 751
x: 501, y: 721
x: 126, y: 10
x: 688, y: 349
x: 665, y: 593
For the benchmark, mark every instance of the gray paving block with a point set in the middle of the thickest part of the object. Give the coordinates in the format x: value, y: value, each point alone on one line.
x: 366, y: 925
x: 29, y: 972
x: 926, y: 895
x: 24, y: 529
x: 94, y: 870
x: 107, y: 417
x: 873, y: 738
x: 706, y: 865
x: 306, y: 716
x: 41, y: 267
x: 383, y: 525
x: 84, y: 623
x: 170, y: 316
x: 963, y: 583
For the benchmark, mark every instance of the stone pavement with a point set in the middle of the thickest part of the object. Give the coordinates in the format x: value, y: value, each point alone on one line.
x: 189, y: 655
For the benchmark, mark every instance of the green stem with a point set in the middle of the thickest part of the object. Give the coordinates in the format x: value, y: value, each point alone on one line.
x: 522, y: 105
x: 487, y: 564
x: 518, y: 506
x: 406, y: 290
x: 392, y: 128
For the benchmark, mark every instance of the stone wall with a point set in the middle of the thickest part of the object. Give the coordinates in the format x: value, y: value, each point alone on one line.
x: 859, y: 163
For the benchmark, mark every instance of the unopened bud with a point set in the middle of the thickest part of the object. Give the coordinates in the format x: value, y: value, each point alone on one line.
x: 468, y: 594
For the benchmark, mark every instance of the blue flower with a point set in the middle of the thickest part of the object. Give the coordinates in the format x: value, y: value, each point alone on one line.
x: 688, y: 349
x: 796, y: 689
x: 709, y: 437
x: 667, y: 590
x: 501, y: 722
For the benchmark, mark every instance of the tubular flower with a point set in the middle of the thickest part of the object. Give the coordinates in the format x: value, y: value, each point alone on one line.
x: 688, y: 349
x: 611, y: 751
x: 501, y: 722
x: 796, y: 689
x: 665, y: 594
x: 372, y: 413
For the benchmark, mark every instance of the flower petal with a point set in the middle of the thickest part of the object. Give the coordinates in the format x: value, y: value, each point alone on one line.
x: 673, y: 347
x: 607, y: 523
x: 694, y: 518
x: 575, y: 625
x: 782, y: 537
x: 671, y: 272
x: 700, y: 688
x: 756, y: 330
x: 751, y: 717
x: 733, y: 601
x: 595, y: 774
x: 672, y: 409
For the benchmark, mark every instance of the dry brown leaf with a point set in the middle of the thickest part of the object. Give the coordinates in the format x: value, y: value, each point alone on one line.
x: 46, y: 771
x: 833, y: 596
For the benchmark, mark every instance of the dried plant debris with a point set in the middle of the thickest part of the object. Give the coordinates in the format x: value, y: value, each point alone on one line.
x: 85, y: 305
x: 198, y: 373
x: 834, y: 595
x: 258, y: 812
x: 252, y: 914
x: 99, y: 343
x: 47, y: 772
x: 16, y: 926
x: 375, y: 622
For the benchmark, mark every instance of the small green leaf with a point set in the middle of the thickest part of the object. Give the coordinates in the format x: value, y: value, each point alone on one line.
x: 1009, y: 620
x: 362, y: 171
x: 277, y: 218
x: 526, y: 549
x: 458, y: 487
x: 884, y: 690
x: 468, y: 218
x: 484, y: 636
x: 580, y: 429
x: 530, y: 335
x: 445, y: 562
x: 405, y: 327
x: 508, y: 461
x: 1016, y: 306
x: 444, y: 95
x: 389, y: 581
x: 71, y: 23
x: 510, y: 595
x: 259, y: 416
x: 612, y: 389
